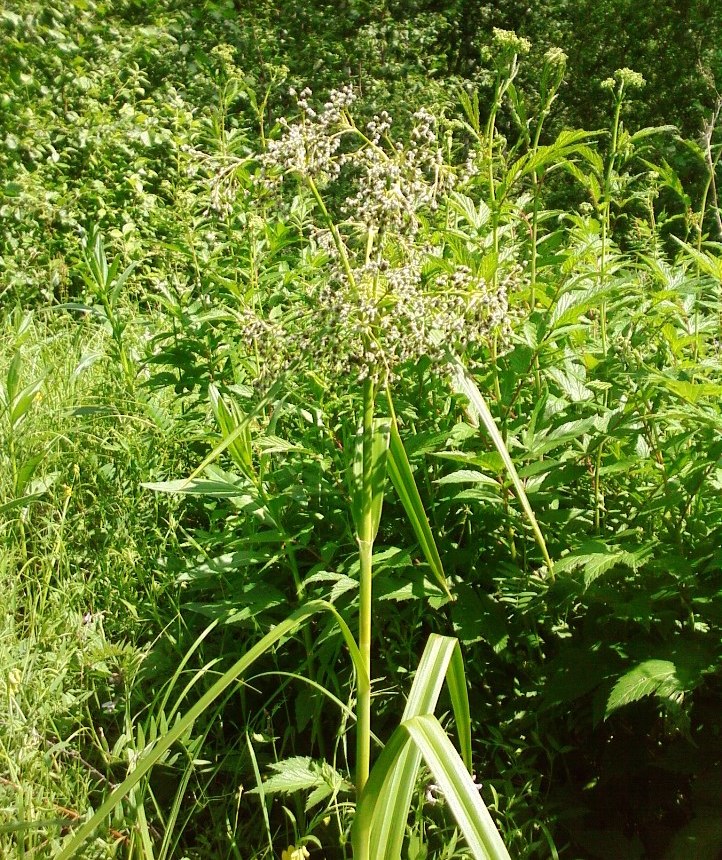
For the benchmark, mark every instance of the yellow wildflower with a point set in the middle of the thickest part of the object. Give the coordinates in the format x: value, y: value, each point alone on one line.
x: 294, y: 852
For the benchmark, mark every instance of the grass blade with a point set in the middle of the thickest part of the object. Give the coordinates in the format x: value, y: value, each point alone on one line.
x: 459, y: 790
x: 387, y: 832
x: 464, y: 384
x: 402, y: 478
x: 151, y: 756
x: 424, y: 734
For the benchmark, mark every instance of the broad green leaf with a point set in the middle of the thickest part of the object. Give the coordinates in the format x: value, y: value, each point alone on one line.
x: 649, y: 131
x: 236, y: 433
x: 198, y: 487
x: 574, y: 303
x: 463, y: 383
x: 597, y: 557
x: 691, y: 392
x: 22, y: 402
x: 302, y: 773
x: 476, y: 215
x: 20, y: 503
x: 402, y: 478
x: 229, y: 419
x: 467, y: 476
x: 12, y: 379
x: 462, y: 796
x: 650, y: 677
x: 707, y: 263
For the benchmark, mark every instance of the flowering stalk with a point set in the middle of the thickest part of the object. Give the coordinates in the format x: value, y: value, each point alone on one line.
x: 510, y: 47
x: 365, y: 543
x: 385, y: 300
x: 623, y: 78
x: 552, y: 76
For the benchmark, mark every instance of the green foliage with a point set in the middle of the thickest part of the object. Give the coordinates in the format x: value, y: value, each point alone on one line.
x: 198, y: 418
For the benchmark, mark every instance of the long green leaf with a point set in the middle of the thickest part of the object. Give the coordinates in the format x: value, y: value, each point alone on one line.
x: 458, y: 788
x: 152, y: 755
x: 379, y: 451
x: 464, y: 384
x: 440, y: 661
x: 425, y: 733
x: 402, y: 478
x: 229, y: 419
x: 237, y: 433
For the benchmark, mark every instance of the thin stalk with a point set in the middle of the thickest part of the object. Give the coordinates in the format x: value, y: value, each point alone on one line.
x: 502, y: 86
x: 337, y: 240
x: 619, y: 98
x: 365, y: 542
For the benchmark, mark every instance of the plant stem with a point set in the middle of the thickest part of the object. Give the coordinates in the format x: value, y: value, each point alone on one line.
x: 365, y: 542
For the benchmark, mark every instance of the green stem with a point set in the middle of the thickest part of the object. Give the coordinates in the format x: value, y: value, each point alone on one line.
x: 365, y: 542
x: 607, y: 201
x: 337, y: 240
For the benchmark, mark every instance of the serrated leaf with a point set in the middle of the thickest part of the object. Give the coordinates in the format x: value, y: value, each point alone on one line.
x: 467, y: 476
x: 597, y: 557
x: 571, y: 383
x: 292, y: 774
x: 652, y: 677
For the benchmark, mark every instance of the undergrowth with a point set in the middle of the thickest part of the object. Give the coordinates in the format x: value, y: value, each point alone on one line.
x: 212, y: 347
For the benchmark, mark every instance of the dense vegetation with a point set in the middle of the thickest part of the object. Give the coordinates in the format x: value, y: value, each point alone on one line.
x: 299, y: 389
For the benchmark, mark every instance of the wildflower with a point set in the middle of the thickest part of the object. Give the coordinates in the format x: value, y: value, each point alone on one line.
x: 508, y: 40
x: 295, y: 852
x: 624, y: 78
x: 310, y: 146
x: 556, y: 58
x: 384, y: 299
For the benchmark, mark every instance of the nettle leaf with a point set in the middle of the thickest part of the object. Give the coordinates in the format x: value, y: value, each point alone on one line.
x: 479, y: 617
x: 596, y: 557
x: 302, y: 773
x: 652, y: 677
x: 571, y: 382
x: 467, y: 476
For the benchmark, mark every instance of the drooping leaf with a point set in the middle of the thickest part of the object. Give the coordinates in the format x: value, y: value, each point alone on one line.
x: 463, y: 383
x: 425, y: 734
x: 403, y: 480
x: 652, y: 677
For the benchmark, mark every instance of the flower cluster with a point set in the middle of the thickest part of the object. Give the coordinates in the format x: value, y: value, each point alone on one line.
x: 624, y: 78
x: 378, y: 297
x: 392, y: 187
x: 385, y: 317
x: 310, y: 146
x: 555, y: 58
x: 507, y: 40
